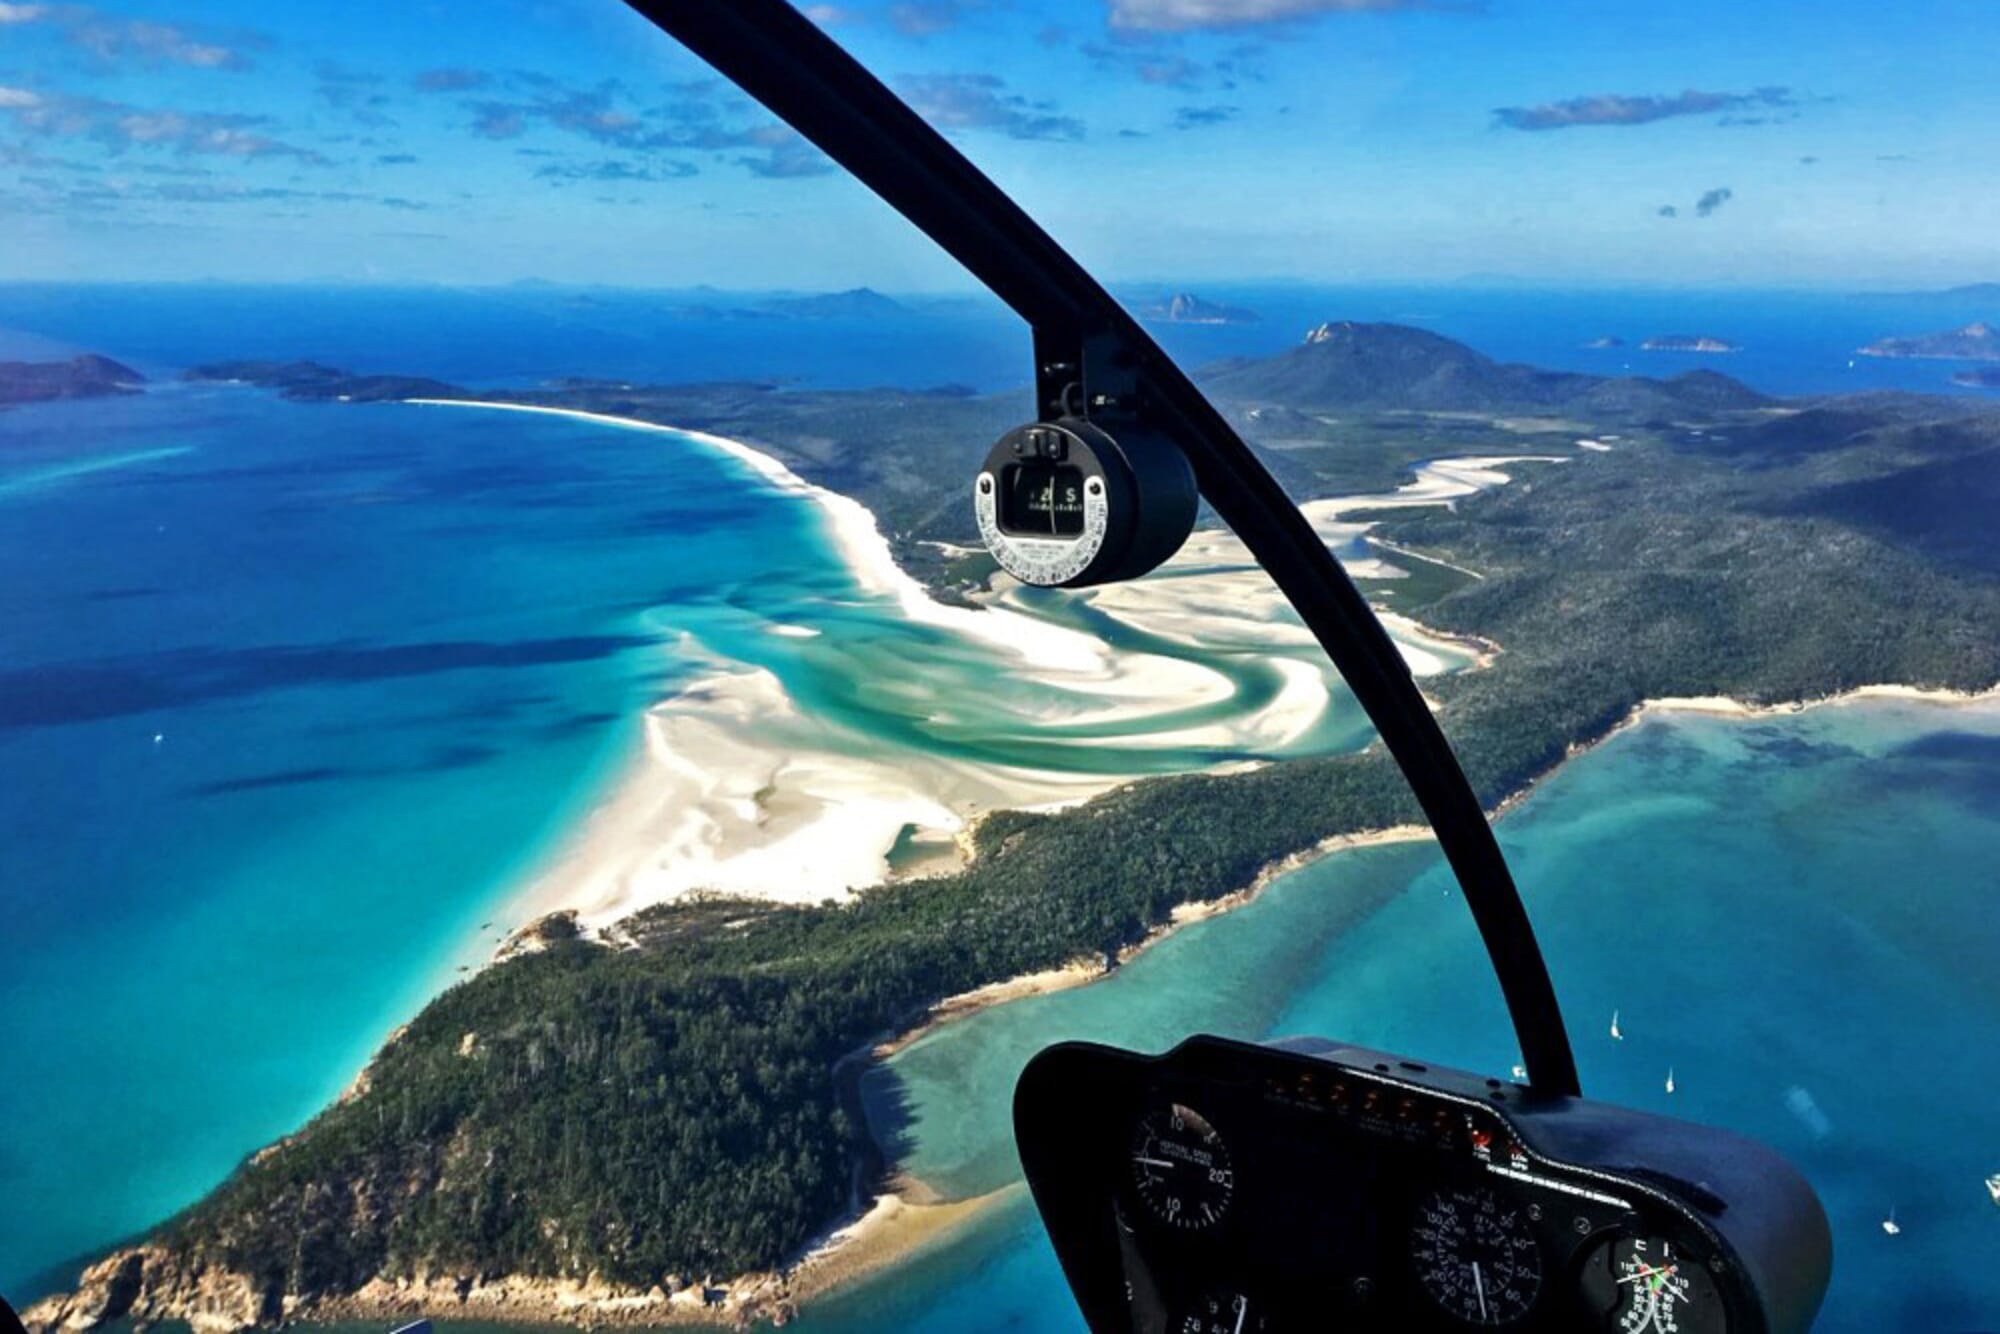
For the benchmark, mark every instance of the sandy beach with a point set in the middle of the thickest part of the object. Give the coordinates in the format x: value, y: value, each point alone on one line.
x: 737, y: 790
x: 1736, y: 708
x: 734, y: 788
x: 895, y: 1228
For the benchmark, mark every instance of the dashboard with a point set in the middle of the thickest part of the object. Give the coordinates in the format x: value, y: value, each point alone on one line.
x: 1227, y: 1188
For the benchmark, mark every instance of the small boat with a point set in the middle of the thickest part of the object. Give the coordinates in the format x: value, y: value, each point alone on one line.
x: 1520, y: 1072
x: 1616, y: 1036
x: 1891, y: 1226
x: 1993, y: 1187
x: 1670, y: 1079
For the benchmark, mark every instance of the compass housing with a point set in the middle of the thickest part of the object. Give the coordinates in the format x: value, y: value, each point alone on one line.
x: 1062, y: 504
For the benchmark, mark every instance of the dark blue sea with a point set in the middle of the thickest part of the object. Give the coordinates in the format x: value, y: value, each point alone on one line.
x: 292, y: 697
x: 1791, y: 342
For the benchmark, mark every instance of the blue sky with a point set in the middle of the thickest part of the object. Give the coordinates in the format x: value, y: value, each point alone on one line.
x: 1829, y: 144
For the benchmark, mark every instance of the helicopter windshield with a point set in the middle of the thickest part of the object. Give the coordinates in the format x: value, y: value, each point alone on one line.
x: 528, y: 797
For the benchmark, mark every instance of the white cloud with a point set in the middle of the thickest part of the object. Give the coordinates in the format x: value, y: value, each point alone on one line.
x: 1181, y: 15
x: 152, y: 43
x: 112, y: 38
x: 18, y: 97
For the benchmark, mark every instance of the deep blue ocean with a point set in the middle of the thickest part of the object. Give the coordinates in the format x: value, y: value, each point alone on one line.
x: 293, y: 696
x: 1791, y: 342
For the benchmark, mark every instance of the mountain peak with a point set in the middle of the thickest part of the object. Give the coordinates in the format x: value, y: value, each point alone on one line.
x: 1187, y: 308
x: 85, y: 376
x: 1347, y: 365
x: 854, y: 303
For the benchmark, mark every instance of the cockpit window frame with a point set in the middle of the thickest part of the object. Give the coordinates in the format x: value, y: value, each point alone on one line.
x: 1089, y: 350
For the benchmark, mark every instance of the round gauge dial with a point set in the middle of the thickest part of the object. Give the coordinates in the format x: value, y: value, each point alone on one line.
x: 1181, y: 1168
x: 1662, y: 1291
x: 1221, y: 1312
x: 1476, y: 1256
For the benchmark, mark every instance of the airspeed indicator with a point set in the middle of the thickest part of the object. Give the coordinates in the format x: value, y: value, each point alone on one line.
x: 1181, y: 1168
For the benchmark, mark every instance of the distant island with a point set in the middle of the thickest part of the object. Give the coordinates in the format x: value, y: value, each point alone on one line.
x: 1975, y: 342
x: 1987, y: 378
x: 1962, y: 294
x: 1608, y: 340
x: 1344, y: 365
x: 87, y: 376
x: 1688, y: 343
x: 1184, y: 308
x: 309, y: 381
x: 856, y: 303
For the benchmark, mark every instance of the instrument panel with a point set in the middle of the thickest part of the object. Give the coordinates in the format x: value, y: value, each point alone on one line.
x: 1228, y: 1188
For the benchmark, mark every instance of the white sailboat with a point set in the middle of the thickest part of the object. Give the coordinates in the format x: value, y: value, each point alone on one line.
x: 1993, y: 1187
x: 1670, y: 1079
x: 1616, y: 1036
x: 1890, y: 1225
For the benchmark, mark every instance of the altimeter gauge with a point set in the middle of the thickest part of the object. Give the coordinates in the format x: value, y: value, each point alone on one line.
x: 1476, y: 1256
x: 1181, y: 1168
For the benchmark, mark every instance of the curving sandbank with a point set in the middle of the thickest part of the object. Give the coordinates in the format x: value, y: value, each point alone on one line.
x: 735, y: 789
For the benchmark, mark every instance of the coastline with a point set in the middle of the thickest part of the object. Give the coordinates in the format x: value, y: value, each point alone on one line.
x: 859, y: 539
x: 900, y: 1222
x: 1083, y: 972
x: 594, y: 878
x: 907, y: 1219
x: 767, y: 814
x: 735, y: 789
x: 864, y: 1242
x: 1727, y: 706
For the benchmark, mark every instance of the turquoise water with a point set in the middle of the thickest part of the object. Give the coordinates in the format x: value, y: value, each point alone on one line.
x: 293, y: 698
x: 290, y: 698
x: 1794, y: 903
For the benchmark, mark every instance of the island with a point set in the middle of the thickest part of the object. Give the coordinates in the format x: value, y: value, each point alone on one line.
x: 86, y: 376
x: 1185, y: 308
x: 654, y: 1121
x: 309, y: 381
x: 1602, y: 343
x: 1975, y: 342
x: 860, y: 303
x: 1688, y: 343
x: 1987, y: 378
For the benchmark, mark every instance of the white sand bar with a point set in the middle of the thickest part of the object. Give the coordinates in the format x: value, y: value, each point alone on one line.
x: 738, y: 790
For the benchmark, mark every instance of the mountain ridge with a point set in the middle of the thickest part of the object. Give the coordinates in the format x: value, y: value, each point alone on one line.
x: 1978, y: 341
x: 1346, y: 365
x: 85, y: 376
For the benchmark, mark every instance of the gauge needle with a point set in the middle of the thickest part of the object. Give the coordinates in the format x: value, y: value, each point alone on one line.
x: 1150, y: 1162
x: 1242, y: 1314
x: 1479, y: 1286
x: 1654, y: 1277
